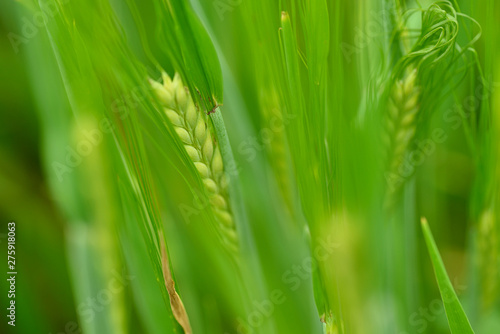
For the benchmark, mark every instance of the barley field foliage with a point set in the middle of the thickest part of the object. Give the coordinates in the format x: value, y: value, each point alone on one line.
x: 263, y: 166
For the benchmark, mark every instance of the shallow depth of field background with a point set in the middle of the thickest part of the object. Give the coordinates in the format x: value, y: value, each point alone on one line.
x: 446, y: 187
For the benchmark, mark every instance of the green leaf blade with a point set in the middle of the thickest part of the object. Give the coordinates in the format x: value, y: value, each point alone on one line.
x: 457, y: 319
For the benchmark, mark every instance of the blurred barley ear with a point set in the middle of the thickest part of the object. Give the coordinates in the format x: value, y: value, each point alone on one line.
x: 274, y: 136
x: 399, y: 130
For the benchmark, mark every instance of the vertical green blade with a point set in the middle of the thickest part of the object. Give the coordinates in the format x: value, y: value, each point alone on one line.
x: 457, y: 319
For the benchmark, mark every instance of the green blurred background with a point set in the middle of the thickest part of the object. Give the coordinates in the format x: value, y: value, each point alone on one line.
x: 453, y: 188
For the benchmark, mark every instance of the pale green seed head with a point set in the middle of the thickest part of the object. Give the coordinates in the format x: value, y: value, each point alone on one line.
x: 217, y: 165
x: 167, y: 81
x: 402, y: 136
x: 393, y: 109
x: 193, y: 153
x: 225, y: 218
x: 399, y: 93
x: 223, y: 181
x: 218, y: 201
x: 165, y: 97
x: 412, y: 101
x: 410, y: 81
x: 177, y: 82
x: 409, y: 117
x: 184, y: 135
x: 210, y: 185
x: 202, y: 169
x: 174, y: 117
x: 181, y: 98
x: 231, y: 235
x: 192, y: 116
x: 200, y: 132
x: 208, y: 148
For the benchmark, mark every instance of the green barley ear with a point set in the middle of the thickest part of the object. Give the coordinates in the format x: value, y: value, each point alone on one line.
x: 416, y: 88
x: 193, y: 129
x: 278, y: 148
x: 400, y: 128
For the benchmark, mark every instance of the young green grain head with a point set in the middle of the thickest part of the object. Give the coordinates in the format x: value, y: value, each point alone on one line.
x: 192, y: 128
x: 400, y: 127
x: 416, y: 89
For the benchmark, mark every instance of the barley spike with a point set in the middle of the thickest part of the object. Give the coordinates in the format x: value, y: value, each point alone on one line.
x: 191, y: 125
x: 400, y: 128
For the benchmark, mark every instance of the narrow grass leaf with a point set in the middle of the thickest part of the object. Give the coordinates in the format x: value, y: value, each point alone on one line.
x: 457, y: 319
